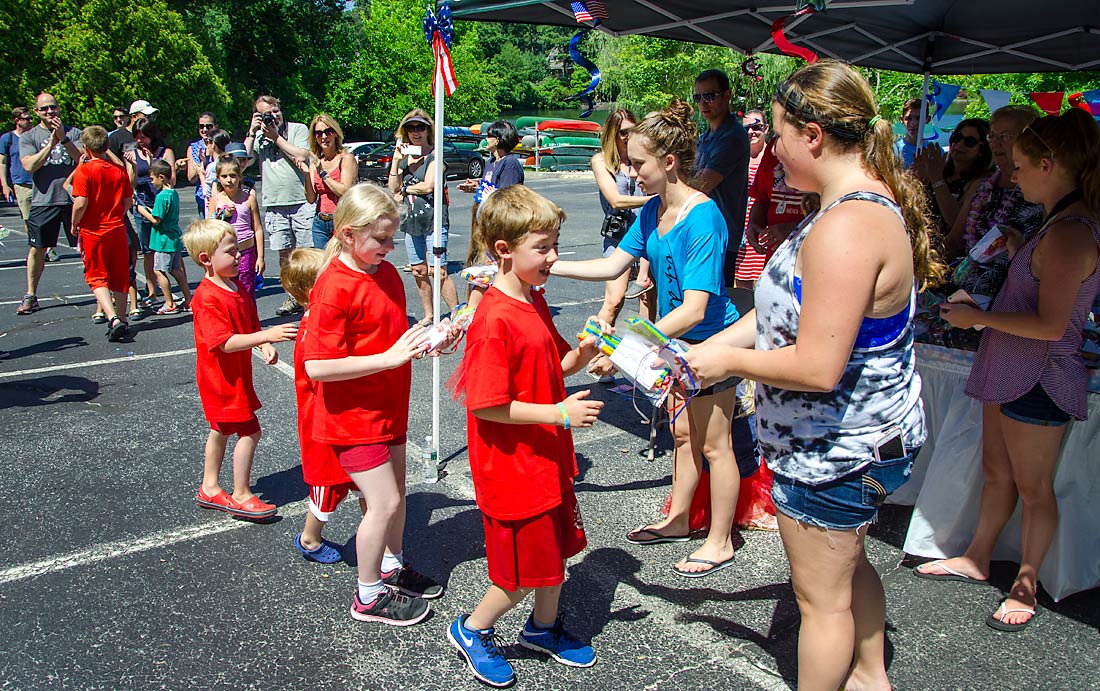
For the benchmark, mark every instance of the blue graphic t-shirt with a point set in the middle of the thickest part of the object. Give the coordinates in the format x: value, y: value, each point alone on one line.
x: 688, y: 257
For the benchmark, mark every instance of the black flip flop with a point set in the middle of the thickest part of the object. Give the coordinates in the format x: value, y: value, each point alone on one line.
x: 951, y: 574
x: 656, y: 539
x: 995, y: 623
x: 116, y: 330
x: 715, y: 567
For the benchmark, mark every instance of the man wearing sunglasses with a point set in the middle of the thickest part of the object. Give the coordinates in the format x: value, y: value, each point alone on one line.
x: 16, y: 181
x: 288, y: 218
x: 197, y: 160
x: 48, y: 152
x: 722, y: 160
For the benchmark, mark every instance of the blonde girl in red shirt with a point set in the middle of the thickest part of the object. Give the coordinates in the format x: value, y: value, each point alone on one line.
x: 358, y: 347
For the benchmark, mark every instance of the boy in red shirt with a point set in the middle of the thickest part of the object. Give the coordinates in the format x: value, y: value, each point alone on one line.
x: 521, y: 452
x: 328, y: 483
x: 227, y: 328
x: 102, y: 196
x: 358, y: 345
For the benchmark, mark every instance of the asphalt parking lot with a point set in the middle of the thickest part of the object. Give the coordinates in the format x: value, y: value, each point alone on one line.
x: 112, y: 578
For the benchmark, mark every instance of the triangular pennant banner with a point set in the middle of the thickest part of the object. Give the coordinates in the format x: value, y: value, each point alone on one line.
x: 942, y: 95
x: 996, y: 99
x: 1050, y: 102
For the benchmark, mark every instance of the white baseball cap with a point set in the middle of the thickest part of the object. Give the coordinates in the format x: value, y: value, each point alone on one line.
x: 142, y: 107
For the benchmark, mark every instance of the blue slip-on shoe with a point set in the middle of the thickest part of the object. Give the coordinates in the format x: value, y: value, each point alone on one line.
x: 325, y: 554
x: 482, y: 652
x: 557, y: 643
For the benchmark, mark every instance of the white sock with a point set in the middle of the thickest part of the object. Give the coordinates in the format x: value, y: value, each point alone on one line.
x: 392, y: 561
x: 369, y: 592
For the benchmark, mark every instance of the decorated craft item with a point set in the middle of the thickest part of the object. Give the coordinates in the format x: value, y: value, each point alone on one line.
x: 448, y: 327
x: 635, y: 359
x: 586, y: 12
x: 783, y: 43
x: 480, y: 276
x: 439, y: 31
x: 751, y: 69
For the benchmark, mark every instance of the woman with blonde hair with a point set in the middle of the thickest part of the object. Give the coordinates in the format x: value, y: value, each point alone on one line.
x: 838, y: 408
x: 329, y: 174
x: 412, y: 183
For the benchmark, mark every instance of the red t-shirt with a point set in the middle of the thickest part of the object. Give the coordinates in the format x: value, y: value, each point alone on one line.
x: 784, y: 203
x: 225, y: 379
x: 513, y: 353
x: 319, y: 465
x: 106, y: 186
x: 353, y: 313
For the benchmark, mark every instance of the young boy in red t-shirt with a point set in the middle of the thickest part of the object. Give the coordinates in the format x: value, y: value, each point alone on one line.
x: 102, y: 196
x: 227, y: 328
x: 358, y: 346
x: 521, y: 450
x: 328, y: 483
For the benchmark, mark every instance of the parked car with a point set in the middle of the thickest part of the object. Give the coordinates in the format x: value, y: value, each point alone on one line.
x: 461, y: 164
x: 362, y: 148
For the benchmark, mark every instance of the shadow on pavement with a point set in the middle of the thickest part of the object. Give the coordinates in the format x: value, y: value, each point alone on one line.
x: 49, y: 390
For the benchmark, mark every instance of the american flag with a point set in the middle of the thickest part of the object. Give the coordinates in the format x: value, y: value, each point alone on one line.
x: 588, y: 10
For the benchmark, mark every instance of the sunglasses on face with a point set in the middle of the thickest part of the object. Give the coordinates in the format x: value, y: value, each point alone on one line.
x: 206, y: 126
x: 416, y: 127
x: 24, y: 118
x: 329, y: 132
x: 46, y: 109
x: 755, y: 127
x: 968, y: 141
x: 118, y: 117
x: 706, y: 97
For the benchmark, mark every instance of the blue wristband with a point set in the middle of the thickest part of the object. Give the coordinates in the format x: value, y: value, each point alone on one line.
x: 564, y: 415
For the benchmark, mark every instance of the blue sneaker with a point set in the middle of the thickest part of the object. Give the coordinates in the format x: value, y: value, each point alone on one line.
x: 483, y: 654
x: 557, y: 643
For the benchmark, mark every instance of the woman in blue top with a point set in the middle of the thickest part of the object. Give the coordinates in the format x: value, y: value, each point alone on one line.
x: 683, y: 235
x: 830, y: 345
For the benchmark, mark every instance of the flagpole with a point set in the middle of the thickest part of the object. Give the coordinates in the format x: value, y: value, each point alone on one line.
x: 437, y: 243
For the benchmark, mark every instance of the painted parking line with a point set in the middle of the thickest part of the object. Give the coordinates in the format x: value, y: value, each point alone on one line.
x: 94, y: 363
x: 42, y: 298
x: 23, y: 267
x: 122, y: 548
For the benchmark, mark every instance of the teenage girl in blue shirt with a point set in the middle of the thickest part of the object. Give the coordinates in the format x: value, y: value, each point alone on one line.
x: 683, y: 235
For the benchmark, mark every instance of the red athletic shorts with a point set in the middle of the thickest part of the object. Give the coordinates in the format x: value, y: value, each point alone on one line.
x: 531, y: 552
x: 323, y: 499
x: 356, y: 459
x: 242, y: 429
x: 106, y: 261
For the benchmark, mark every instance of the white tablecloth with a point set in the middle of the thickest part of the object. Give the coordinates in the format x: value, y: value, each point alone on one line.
x: 947, y: 482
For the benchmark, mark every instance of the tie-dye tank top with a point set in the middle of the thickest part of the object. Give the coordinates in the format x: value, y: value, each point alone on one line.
x: 815, y: 437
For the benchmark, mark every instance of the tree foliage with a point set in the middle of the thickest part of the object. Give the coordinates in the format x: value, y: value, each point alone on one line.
x: 367, y: 63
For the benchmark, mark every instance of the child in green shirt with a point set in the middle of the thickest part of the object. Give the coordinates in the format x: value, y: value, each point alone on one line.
x: 166, y: 238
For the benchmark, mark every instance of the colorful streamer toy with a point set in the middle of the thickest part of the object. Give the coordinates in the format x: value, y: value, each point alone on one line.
x: 438, y: 334
x: 783, y: 43
x: 650, y: 360
x: 439, y: 31
x: 585, y: 11
x: 480, y: 276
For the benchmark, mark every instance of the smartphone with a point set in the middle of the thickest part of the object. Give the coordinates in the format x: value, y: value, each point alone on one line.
x: 410, y: 149
x: 889, y: 446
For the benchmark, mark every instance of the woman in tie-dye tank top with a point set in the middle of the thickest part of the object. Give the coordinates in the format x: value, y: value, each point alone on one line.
x: 839, y: 414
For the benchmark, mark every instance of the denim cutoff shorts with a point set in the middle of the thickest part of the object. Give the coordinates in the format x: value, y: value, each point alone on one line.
x: 1036, y: 408
x: 846, y: 503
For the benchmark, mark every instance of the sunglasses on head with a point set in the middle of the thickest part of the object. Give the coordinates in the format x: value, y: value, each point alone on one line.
x: 416, y: 127
x: 706, y: 97
x: 969, y: 141
x: 328, y: 132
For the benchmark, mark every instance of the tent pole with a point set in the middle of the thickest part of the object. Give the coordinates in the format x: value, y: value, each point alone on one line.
x: 923, y: 108
x: 437, y: 242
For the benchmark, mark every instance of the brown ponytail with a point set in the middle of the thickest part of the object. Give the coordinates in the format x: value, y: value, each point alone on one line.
x: 671, y: 131
x: 840, y: 100
x: 1072, y: 139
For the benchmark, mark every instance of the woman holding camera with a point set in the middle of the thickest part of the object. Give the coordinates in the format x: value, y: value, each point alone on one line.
x: 412, y: 182
x: 620, y: 195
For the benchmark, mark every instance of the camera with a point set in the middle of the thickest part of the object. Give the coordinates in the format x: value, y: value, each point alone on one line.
x: 616, y: 224
x: 268, y: 119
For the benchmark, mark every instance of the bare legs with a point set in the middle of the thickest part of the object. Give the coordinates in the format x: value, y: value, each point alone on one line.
x: 36, y: 261
x: 383, y: 524
x: 1018, y: 461
x: 111, y: 304
x: 840, y: 597
x: 243, y: 452
x: 422, y: 274
x: 498, y: 601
